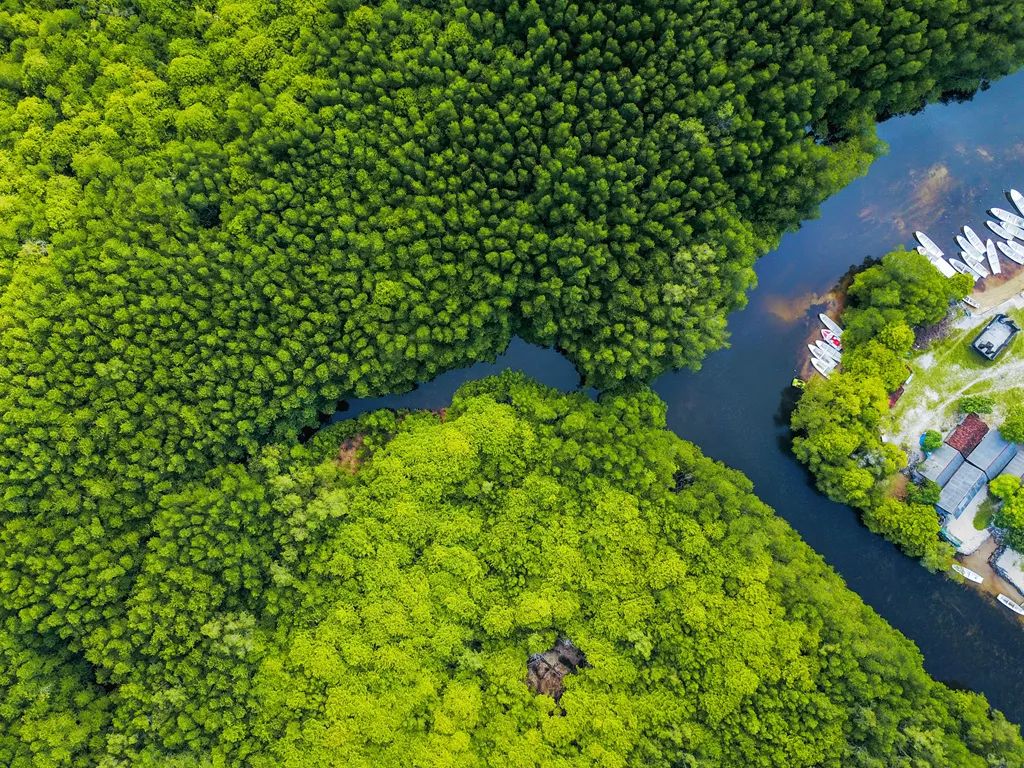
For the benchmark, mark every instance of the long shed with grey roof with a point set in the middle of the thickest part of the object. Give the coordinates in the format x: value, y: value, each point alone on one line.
x: 993, y: 453
x: 961, y: 488
x: 941, y: 464
x: 1016, y: 465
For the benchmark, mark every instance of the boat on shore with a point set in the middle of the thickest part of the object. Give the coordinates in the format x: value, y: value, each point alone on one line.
x: 971, y: 302
x: 943, y: 266
x: 929, y: 246
x: 999, y: 229
x: 1008, y: 216
x: 963, y: 269
x: 1013, y: 251
x: 973, y: 239
x: 1015, y: 607
x: 831, y: 324
x: 1017, y: 199
x: 993, y: 257
x: 968, y: 574
x: 827, y: 351
x: 832, y: 339
x: 821, y: 367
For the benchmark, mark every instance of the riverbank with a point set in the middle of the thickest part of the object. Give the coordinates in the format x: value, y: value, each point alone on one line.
x: 994, y: 585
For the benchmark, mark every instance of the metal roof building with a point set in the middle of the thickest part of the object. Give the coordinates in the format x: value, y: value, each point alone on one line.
x: 941, y: 465
x: 992, y: 454
x: 1016, y: 465
x: 961, y: 488
x: 995, y: 337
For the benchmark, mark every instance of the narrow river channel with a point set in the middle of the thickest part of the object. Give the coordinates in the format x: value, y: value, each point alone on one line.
x: 945, y: 167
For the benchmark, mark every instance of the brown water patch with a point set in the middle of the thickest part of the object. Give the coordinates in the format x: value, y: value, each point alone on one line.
x: 978, y: 561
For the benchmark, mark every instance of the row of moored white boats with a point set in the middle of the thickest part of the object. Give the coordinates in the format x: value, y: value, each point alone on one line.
x: 827, y: 352
x: 980, y: 258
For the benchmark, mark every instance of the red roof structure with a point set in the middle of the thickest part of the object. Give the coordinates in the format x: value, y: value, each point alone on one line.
x: 966, y: 437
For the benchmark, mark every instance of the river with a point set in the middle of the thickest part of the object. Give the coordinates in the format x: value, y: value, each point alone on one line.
x: 945, y: 167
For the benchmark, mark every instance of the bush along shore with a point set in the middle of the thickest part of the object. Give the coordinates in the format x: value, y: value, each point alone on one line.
x: 838, y: 421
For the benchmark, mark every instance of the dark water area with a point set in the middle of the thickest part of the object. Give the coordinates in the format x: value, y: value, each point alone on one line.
x: 945, y: 167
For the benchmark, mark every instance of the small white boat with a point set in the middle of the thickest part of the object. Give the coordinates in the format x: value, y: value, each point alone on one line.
x: 971, y: 302
x: 1001, y: 230
x: 1013, y: 231
x: 832, y: 339
x: 823, y: 368
x: 962, y: 268
x: 831, y: 324
x: 930, y: 248
x: 975, y: 263
x: 966, y: 247
x: 1008, y: 216
x: 1010, y: 253
x: 1010, y: 604
x: 973, y: 239
x: 827, y: 351
x: 823, y: 357
x: 1017, y: 199
x: 968, y: 574
x: 943, y: 266
x: 993, y: 257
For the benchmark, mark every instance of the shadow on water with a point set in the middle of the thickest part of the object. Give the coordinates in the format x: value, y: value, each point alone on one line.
x: 945, y: 166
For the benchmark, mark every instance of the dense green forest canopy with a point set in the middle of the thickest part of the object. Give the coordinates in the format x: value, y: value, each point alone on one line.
x: 299, y: 614
x: 218, y: 218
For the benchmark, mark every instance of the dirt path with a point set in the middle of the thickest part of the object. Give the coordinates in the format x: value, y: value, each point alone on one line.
x: 931, y: 406
x: 923, y: 407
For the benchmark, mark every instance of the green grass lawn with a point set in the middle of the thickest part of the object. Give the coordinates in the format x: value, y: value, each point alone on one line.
x: 984, y: 515
x: 949, y: 370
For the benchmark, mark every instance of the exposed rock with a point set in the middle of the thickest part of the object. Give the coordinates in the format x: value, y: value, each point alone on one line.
x: 348, y: 453
x: 545, y: 672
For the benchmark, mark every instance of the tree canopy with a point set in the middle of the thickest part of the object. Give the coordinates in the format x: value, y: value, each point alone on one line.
x: 319, y: 609
x: 221, y: 217
x: 838, y: 422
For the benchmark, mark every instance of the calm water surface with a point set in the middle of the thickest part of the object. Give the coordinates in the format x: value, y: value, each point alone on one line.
x: 944, y: 168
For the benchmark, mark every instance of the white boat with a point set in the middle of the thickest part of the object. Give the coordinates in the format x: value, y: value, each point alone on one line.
x: 1017, y: 199
x: 1013, y: 251
x: 824, y: 358
x: 973, y: 239
x: 1001, y: 230
x: 962, y: 268
x: 993, y: 257
x: 975, y: 263
x: 966, y: 246
x: 971, y: 302
x: 1007, y: 216
x: 968, y: 574
x: 831, y: 324
x: 827, y: 351
x: 831, y: 338
x: 822, y: 368
x: 929, y: 245
x: 1010, y: 604
x: 1013, y: 231
x: 943, y: 266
